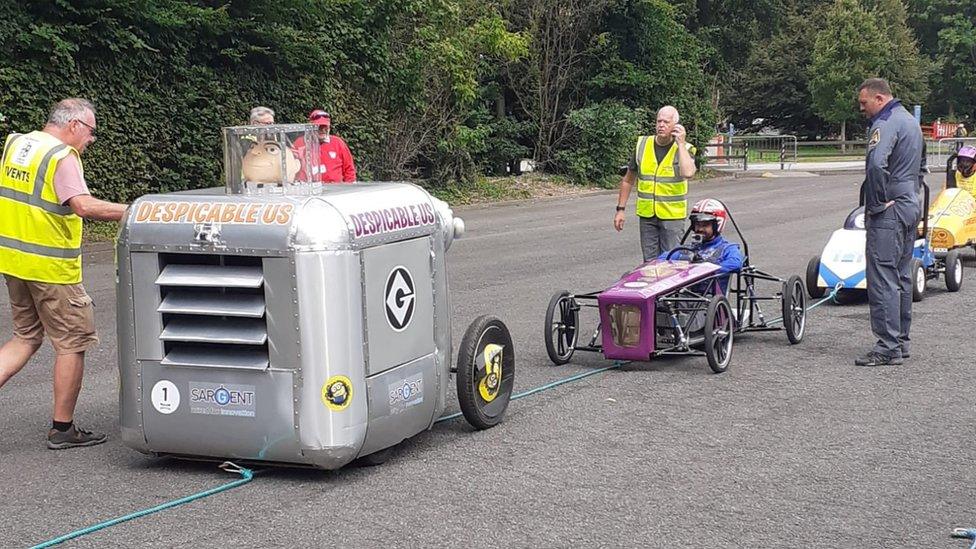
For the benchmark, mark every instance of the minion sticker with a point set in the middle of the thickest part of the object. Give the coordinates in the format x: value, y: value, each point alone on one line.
x: 337, y: 393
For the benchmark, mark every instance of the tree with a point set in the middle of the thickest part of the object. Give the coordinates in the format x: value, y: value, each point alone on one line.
x: 906, y: 69
x: 548, y: 82
x: 774, y: 85
x: 850, y: 48
x: 646, y: 59
x: 946, y: 32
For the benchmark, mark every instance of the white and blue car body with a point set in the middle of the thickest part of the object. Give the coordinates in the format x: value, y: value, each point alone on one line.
x: 842, y: 264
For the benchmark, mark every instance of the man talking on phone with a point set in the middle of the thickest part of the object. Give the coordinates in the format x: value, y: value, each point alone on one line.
x: 661, y: 166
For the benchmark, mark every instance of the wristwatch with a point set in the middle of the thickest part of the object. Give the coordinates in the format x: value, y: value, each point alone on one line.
x: 620, y: 208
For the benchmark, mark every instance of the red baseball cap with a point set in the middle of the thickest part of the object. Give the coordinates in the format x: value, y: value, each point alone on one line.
x: 320, y: 118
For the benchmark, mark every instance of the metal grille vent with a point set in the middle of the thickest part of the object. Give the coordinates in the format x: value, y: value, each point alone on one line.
x: 213, y: 311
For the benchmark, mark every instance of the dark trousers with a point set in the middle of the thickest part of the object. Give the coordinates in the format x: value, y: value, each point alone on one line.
x: 659, y: 235
x: 890, y: 240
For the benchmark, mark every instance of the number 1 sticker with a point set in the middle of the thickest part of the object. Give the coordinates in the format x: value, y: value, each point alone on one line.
x: 165, y: 397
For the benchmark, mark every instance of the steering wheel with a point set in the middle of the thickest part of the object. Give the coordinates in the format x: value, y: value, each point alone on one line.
x: 695, y: 256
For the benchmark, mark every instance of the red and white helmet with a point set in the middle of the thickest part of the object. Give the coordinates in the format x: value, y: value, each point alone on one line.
x: 710, y: 209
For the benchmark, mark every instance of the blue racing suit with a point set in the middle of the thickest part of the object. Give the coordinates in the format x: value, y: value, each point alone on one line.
x: 891, y: 186
x: 719, y: 251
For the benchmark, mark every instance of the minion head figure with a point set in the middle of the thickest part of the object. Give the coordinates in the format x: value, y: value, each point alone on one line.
x: 263, y: 161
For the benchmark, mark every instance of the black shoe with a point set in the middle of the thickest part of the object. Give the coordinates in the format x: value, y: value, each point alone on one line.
x: 877, y: 359
x: 906, y: 355
x: 73, y: 438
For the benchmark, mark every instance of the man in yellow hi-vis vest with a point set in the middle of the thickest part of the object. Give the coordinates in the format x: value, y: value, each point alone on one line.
x: 661, y: 167
x: 43, y: 198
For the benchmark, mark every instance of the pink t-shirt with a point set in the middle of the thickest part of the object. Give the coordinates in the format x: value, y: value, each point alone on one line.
x: 69, y: 181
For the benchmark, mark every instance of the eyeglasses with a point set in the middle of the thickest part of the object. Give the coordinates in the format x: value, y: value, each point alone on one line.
x: 87, y: 125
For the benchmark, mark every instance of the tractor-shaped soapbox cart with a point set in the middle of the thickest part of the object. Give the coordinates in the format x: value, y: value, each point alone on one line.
x: 676, y: 307
x: 286, y: 321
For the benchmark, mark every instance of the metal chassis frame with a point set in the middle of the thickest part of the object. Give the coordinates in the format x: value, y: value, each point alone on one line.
x: 741, y: 287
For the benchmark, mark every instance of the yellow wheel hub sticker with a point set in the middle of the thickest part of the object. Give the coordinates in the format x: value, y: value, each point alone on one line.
x: 492, y: 381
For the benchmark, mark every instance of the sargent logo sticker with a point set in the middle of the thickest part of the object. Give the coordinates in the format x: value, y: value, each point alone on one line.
x: 337, y: 393
x: 165, y: 397
x: 406, y: 393
x: 213, y: 212
x: 215, y: 399
x: 399, y: 299
x: 875, y: 138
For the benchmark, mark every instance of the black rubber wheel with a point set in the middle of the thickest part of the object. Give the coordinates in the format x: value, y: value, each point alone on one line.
x: 953, y: 271
x: 485, y: 372
x: 794, y: 309
x: 813, y: 275
x: 562, y: 327
x: 918, y: 279
x: 376, y: 458
x: 719, y: 334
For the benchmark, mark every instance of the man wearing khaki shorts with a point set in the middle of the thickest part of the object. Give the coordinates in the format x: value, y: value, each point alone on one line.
x: 43, y: 198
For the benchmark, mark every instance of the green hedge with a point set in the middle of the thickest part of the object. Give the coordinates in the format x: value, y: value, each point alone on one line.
x: 411, y: 84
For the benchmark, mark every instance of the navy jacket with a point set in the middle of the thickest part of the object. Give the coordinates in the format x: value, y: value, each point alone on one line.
x: 892, y: 161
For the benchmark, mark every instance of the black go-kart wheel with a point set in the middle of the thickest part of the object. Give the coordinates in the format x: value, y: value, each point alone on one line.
x: 562, y: 327
x: 953, y: 271
x: 794, y: 309
x: 485, y: 372
x: 719, y: 333
x: 919, y: 279
x: 813, y: 275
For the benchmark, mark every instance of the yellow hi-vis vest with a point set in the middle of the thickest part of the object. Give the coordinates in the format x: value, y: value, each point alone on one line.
x: 661, y: 191
x: 40, y: 240
x: 967, y: 183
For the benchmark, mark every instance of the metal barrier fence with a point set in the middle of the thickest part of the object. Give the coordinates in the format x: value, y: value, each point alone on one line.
x: 946, y: 147
x: 739, y: 151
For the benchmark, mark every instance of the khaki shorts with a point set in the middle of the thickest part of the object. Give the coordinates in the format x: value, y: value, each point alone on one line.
x: 64, y: 311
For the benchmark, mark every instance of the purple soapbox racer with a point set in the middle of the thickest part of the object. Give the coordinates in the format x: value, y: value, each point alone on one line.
x: 676, y: 307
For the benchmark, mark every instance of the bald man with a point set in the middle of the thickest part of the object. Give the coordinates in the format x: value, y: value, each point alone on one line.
x: 661, y: 167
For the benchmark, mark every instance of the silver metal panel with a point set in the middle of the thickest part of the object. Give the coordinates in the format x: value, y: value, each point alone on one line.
x: 213, y: 304
x: 242, y: 331
x: 330, y: 319
x: 442, y: 322
x: 388, y: 346
x: 217, y: 357
x: 145, y: 299
x: 268, y: 435
x: 130, y: 388
x: 402, y: 403
x: 211, y: 276
x: 236, y: 222
x: 281, y: 297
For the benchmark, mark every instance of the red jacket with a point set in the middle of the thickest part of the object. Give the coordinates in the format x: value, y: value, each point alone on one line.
x: 336, y: 164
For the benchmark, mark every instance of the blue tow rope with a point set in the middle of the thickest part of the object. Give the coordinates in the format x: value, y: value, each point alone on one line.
x: 545, y: 387
x: 247, y: 474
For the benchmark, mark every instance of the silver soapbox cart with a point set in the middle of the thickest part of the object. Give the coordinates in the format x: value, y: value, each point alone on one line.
x: 287, y: 321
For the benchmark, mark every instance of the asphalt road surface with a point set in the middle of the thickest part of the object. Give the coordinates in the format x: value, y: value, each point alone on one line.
x: 792, y: 447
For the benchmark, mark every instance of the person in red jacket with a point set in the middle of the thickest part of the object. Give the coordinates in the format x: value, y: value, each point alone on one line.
x: 336, y: 164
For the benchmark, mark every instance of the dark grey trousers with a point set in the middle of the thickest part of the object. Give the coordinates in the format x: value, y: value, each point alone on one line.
x: 659, y: 235
x: 890, y: 240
